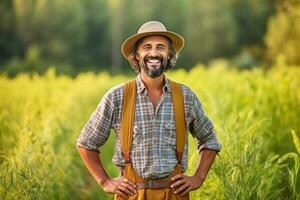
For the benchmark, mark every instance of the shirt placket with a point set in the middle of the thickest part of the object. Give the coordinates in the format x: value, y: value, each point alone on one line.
x: 155, y: 119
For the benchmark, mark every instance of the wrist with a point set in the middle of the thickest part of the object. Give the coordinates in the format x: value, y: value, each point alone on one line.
x: 199, y: 178
x: 102, y: 181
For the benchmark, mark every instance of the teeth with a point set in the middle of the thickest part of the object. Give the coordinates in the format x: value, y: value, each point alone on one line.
x: 153, y: 61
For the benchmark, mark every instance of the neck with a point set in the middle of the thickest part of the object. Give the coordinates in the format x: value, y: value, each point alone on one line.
x: 153, y: 84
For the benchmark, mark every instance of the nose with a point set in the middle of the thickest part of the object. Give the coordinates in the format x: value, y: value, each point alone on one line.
x: 153, y: 52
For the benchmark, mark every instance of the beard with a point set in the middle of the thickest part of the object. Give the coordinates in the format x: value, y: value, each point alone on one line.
x: 153, y: 66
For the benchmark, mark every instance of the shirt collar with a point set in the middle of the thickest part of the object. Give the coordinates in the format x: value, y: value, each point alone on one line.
x: 141, y: 86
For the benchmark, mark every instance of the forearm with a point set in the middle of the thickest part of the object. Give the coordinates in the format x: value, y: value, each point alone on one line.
x: 93, y: 162
x: 207, y: 158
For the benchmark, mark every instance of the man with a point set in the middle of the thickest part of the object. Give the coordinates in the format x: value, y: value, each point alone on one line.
x: 151, y: 142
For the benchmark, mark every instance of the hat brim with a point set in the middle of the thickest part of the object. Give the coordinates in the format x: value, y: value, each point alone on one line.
x: 128, y: 44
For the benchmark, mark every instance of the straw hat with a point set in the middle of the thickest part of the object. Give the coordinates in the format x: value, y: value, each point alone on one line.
x: 151, y: 28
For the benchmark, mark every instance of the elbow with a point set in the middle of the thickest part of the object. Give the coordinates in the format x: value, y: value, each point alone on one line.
x: 212, y: 144
x: 83, y: 149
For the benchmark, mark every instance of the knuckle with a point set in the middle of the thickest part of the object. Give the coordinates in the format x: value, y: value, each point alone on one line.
x: 179, y: 182
x: 130, y: 187
x: 133, y: 184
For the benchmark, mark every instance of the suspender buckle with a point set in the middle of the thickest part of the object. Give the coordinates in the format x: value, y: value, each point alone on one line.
x: 179, y: 157
x: 127, y: 161
x: 126, y: 154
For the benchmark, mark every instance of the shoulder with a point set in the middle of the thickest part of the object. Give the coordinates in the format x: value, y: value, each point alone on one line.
x: 116, y: 90
x: 188, y: 93
x: 189, y: 97
x: 113, y: 96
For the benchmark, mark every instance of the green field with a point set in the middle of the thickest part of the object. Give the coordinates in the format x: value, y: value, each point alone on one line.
x: 256, y: 116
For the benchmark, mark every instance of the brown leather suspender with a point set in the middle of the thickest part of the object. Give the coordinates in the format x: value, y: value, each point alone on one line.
x: 178, y: 106
x: 128, y: 116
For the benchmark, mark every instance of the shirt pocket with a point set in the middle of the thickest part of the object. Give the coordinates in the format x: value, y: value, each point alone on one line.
x: 170, y: 134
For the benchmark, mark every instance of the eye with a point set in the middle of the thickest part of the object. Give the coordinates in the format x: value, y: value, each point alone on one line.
x: 161, y: 47
x: 146, y: 47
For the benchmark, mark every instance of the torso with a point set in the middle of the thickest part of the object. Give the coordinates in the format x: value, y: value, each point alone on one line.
x: 153, y: 151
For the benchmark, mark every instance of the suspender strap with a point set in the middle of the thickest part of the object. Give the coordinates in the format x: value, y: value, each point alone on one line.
x: 178, y: 105
x: 128, y: 116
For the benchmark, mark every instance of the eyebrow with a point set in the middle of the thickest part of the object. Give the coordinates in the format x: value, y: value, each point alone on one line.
x: 159, y: 44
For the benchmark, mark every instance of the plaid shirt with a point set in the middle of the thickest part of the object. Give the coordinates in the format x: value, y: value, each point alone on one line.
x: 153, y: 151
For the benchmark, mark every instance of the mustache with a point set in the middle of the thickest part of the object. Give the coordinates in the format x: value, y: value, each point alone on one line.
x: 158, y: 57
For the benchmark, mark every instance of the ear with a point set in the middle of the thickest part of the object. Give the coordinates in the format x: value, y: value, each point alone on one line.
x: 137, y: 57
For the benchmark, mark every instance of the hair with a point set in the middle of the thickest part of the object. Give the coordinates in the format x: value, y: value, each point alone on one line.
x: 171, y: 61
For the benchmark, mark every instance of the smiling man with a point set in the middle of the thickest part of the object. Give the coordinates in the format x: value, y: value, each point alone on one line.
x: 151, y: 116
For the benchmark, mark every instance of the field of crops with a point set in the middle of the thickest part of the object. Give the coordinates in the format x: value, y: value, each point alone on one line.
x: 256, y: 116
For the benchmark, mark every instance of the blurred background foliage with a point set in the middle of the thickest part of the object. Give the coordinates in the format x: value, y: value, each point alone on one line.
x: 255, y: 112
x: 84, y: 35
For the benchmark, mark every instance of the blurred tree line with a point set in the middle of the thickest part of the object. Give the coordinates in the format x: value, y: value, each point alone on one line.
x: 283, y: 33
x: 85, y: 35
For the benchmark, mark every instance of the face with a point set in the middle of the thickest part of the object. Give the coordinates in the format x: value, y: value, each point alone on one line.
x: 152, y: 55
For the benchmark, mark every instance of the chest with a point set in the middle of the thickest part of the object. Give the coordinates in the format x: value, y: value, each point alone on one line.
x: 151, y: 123
x: 154, y: 98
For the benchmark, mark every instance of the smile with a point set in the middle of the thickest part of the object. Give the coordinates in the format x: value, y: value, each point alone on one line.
x: 153, y: 61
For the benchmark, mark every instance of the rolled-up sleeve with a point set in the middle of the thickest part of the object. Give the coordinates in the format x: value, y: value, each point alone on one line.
x: 202, y: 128
x: 96, y: 131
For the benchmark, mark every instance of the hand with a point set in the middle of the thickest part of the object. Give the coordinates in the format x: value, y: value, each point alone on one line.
x: 184, y: 184
x: 119, y: 185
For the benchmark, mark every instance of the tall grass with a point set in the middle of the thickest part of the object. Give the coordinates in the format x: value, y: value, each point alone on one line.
x: 255, y: 113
